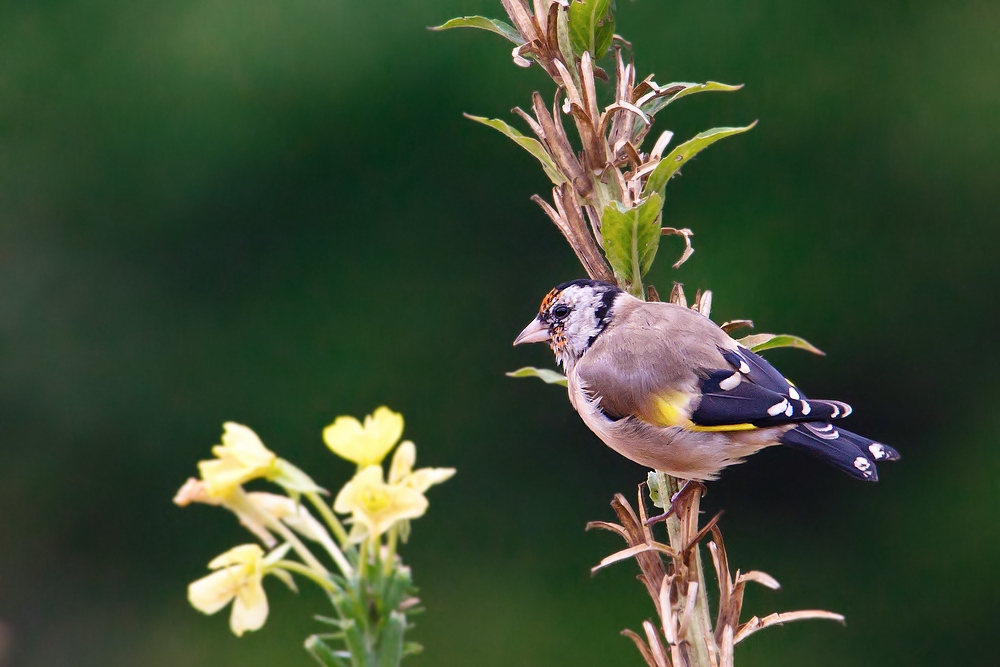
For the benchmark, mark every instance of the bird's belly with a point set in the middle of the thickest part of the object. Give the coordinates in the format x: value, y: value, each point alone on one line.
x: 680, y: 452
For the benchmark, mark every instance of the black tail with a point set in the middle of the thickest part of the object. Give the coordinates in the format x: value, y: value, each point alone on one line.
x: 852, y: 453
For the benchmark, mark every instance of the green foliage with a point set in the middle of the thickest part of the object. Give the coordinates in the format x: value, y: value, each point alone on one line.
x: 325, y: 655
x: 678, y: 157
x: 546, y: 375
x: 533, y: 146
x: 761, y: 342
x: 482, y: 23
x: 651, y: 107
x: 631, y: 237
x: 591, y: 26
x: 368, y: 617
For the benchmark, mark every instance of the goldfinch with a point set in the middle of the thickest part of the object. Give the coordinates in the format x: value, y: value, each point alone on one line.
x: 667, y: 388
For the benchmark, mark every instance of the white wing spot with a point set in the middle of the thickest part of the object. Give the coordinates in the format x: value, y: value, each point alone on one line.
x: 744, y: 368
x: 847, y: 409
x: 836, y: 411
x: 877, y: 450
x: 778, y: 408
x: 793, y: 394
x: 730, y: 382
x: 789, y: 411
x: 862, y: 464
x: 806, y: 408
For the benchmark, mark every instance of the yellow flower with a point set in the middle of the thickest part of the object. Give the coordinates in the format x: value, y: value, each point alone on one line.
x: 374, y: 505
x: 401, y: 471
x: 238, y: 579
x: 241, y: 458
x: 365, y: 445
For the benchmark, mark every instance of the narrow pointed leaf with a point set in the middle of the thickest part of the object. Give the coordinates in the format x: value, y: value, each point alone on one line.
x: 546, y: 375
x: 678, y: 157
x: 591, y: 26
x: 533, y: 146
x: 657, y: 103
x: 631, y: 237
x: 323, y: 654
x: 483, y: 23
x: 761, y: 342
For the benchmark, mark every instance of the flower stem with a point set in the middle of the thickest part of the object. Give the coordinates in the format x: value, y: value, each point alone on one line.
x: 391, y: 540
x: 363, y: 560
x: 328, y: 516
x: 307, y: 572
x: 239, y: 499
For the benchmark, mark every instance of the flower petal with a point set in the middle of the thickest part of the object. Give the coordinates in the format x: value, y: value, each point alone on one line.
x: 367, y: 444
x: 402, y: 462
x: 249, y: 610
x: 245, y: 446
x: 245, y: 554
x: 213, y: 592
x: 425, y: 478
x: 350, y: 496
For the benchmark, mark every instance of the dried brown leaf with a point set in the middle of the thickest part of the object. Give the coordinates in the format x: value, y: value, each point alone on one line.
x: 780, y: 618
x: 688, y: 249
x: 666, y: 610
x: 632, y: 552
x: 655, y: 644
x: 700, y: 535
x: 726, y: 649
x: 688, y: 613
x: 647, y: 655
x: 677, y: 295
x: 607, y: 525
x: 736, y: 325
x: 519, y: 14
x: 762, y: 578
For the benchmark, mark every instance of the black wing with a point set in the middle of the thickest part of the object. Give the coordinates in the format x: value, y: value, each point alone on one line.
x: 754, y: 393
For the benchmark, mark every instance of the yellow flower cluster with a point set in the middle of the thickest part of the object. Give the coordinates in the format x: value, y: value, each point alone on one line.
x: 374, y: 504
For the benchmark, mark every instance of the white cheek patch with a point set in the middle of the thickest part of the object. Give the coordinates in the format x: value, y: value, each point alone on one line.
x: 581, y: 325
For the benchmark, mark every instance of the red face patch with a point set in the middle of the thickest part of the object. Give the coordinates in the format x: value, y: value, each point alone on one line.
x: 548, y: 301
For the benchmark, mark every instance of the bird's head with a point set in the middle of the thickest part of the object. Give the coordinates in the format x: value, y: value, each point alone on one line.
x: 571, y: 316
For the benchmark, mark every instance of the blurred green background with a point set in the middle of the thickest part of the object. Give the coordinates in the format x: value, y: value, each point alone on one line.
x: 274, y: 213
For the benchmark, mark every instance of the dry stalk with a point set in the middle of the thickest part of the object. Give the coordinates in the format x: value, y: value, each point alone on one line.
x: 674, y: 579
x: 607, y: 200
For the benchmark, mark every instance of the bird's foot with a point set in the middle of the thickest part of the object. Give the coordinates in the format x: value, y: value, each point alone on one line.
x: 676, y: 501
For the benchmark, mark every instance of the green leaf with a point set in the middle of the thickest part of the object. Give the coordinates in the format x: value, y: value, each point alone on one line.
x: 678, y: 157
x: 533, y: 146
x: 323, y: 654
x: 631, y: 237
x: 591, y: 26
x: 546, y: 375
x: 483, y: 23
x: 761, y: 342
x: 293, y: 480
x: 657, y: 103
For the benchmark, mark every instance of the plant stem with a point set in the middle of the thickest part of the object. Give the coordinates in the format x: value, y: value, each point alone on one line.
x: 328, y: 516
x: 363, y: 560
x: 240, y: 501
x: 391, y: 541
x: 307, y: 572
x: 700, y: 638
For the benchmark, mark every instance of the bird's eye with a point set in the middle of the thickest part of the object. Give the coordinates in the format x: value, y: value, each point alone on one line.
x: 560, y: 311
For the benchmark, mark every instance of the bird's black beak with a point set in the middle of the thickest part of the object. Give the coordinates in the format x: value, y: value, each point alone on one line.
x: 536, y: 332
